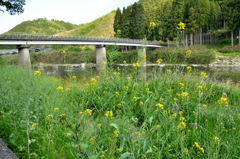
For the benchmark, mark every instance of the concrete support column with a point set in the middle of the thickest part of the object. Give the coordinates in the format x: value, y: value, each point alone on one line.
x: 142, y: 56
x: 23, y: 56
x: 101, y: 57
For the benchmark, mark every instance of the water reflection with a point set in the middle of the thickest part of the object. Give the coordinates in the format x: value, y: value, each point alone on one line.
x: 221, y: 74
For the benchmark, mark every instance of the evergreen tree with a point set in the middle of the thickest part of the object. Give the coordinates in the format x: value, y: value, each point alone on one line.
x: 126, y: 19
x: 139, y: 21
x: 117, y: 20
x: 166, y: 21
x: 191, y: 23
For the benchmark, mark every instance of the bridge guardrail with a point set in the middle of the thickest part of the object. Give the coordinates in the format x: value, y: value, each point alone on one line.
x: 31, y: 37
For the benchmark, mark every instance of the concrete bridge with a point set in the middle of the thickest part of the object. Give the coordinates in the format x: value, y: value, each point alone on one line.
x: 24, y: 41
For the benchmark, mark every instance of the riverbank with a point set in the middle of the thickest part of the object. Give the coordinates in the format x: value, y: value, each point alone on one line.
x: 175, y: 115
x: 199, y: 55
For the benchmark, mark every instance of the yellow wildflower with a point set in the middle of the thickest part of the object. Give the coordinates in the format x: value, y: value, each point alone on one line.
x: 88, y: 112
x: 68, y: 89
x: 159, y: 61
x: 56, y: 109
x: 69, y: 134
x: 135, y: 98
x: 141, y: 103
x: 50, y: 115
x: 37, y: 73
x: 60, y: 89
x: 117, y: 94
x: 216, y: 139
x: 181, y: 26
x: 33, y: 125
x: 74, y: 77
x: 124, y: 62
x: 152, y: 24
x: 159, y: 106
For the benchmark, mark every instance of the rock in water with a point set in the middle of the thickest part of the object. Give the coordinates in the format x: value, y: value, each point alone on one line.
x: 5, y: 152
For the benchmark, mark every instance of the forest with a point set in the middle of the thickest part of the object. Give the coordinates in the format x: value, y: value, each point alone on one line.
x: 202, y: 18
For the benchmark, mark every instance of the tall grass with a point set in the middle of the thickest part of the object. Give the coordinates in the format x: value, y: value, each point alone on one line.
x: 114, y: 116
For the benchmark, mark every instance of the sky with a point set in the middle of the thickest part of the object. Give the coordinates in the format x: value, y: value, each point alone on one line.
x: 73, y: 11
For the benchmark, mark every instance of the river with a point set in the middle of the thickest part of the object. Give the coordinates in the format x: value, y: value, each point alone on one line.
x: 221, y: 74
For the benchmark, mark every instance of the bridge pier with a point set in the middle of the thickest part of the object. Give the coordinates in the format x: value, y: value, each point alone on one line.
x: 101, y: 57
x: 23, y: 56
x: 142, y: 56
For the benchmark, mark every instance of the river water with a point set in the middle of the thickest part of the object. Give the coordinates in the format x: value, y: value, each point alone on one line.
x: 221, y: 74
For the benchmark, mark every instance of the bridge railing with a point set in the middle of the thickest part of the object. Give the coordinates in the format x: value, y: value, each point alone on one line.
x: 32, y: 37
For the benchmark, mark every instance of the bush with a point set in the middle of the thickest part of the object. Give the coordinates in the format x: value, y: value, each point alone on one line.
x: 87, y: 48
x: 229, y: 49
x: 199, y: 55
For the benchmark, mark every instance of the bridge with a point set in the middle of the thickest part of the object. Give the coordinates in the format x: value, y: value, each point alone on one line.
x: 24, y: 41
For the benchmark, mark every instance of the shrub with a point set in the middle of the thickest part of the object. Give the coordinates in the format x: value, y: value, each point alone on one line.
x: 229, y: 49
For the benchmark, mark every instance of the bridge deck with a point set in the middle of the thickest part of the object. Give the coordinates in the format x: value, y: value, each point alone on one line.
x: 25, y: 39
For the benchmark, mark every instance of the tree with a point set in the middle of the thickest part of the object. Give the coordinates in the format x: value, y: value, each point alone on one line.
x: 191, y: 23
x: 126, y: 19
x: 117, y: 20
x: 233, y: 15
x: 12, y: 6
x: 138, y: 21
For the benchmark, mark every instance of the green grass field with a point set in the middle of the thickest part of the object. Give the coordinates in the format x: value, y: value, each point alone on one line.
x: 175, y: 115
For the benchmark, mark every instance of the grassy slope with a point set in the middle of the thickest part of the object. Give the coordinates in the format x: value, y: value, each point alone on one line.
x: 42, y: 26
x: 101, y: 27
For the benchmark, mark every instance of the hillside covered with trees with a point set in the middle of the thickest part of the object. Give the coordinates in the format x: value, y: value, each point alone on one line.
x: 202, y: 18
x: 43, y: 26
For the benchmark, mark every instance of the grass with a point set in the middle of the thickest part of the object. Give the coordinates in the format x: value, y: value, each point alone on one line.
x: 199, y: 55
x: 176, y: 115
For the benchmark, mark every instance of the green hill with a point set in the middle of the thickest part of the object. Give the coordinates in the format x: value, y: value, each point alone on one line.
x: 101, y: 27
x: 43, y: 26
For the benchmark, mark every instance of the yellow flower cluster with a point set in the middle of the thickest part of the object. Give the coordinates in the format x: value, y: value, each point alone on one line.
x: 197, y: 145
x: 33, y: 125
x: 203, y: 74
x: 216, y: 139
x: 204, y: 106
x: 69, y: 134
x: 99, y: 125
x: 141, y: 103
x: 189, y: 68
x: 124, y: 62
x: 109, y: 113
x: 125, y: 87
x: 56, y: 109
x: 181, y: 26
x: 159, y: 106
x: 68, y: 89
x: 143, y: 57
x: 136, y: 64
x: 182, y: 124
x: 169, y: 71
x: 159, y: 61
x: 37, y: 73
x: 152, y: 24
x: 60, y: 89
x: 93, y: 81
x: 104, y: 63
x: 119, y: 105
x: 116, y: 73
x: 117, y: 94
x: 223, y: 101
x: 64, y: 53
x: 135, y: 99
x: 115, y: 133
x: 50, y: 115
x: 189, y: 52
x: 184, y: 94
x: 88, y: 112
x: 199, y: 88
x: 119, y: 31
x: 74, y: 77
